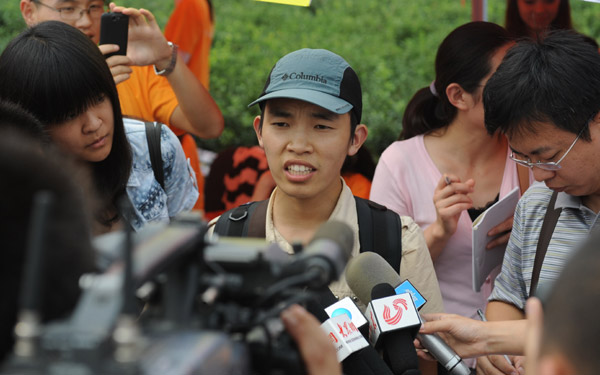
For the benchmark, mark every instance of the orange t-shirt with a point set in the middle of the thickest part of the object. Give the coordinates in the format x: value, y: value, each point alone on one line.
x: 191, y: 28
x: 149, y: 97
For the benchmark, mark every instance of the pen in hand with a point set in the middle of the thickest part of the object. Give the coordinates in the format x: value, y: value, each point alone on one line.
x: 483, y: 319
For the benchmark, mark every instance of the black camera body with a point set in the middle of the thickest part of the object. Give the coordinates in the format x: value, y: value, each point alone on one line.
x: 182, y: 304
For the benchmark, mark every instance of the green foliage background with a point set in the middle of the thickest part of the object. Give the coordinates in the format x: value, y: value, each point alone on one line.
x: 391, y: 44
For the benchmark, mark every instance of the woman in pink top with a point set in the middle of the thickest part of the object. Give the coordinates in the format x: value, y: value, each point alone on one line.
x: 447, y: 164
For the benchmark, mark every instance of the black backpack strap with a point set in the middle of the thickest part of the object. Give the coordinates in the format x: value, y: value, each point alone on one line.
x: 380, y: 230
x: 550, y: 220
x: 257, y: 220
x: 247, y: 220
x: 153, y: 137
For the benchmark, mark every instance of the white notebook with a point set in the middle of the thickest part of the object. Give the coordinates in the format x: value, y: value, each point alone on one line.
x: 484, y: 261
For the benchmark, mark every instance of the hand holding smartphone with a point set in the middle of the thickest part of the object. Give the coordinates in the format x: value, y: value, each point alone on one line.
x: 114, y: 30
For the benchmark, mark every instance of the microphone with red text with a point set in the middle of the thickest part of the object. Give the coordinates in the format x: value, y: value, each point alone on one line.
x: 365, y: 361
x: 369, y: 269
x: 393, y: 325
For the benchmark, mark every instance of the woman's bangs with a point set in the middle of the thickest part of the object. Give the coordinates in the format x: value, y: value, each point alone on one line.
x: 74, y: 91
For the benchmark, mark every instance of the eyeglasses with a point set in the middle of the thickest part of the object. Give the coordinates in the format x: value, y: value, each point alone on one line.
x: 73, y: 13
x: 551, y: 165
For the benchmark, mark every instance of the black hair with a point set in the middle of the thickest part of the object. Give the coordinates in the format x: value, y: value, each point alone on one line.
x: 463, y: 58
x: 517, y: 27
x: 14, y: 116
x: 56, y: 72
x: 571, y: 323
x: 555, y: 79
x: 362, y: 162
x: 27, y: 168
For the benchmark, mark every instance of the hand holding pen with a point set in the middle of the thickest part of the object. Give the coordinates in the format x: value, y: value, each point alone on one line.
x: 450, y: 198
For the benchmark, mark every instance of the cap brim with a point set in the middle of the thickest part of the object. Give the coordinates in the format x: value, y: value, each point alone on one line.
x: 329, y: 102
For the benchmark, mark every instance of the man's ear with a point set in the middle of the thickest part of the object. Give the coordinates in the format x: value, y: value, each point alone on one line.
x: 258, y: 130
x: 28, y: 11
x: 458, y: 97
x: 358, y: 138
x: 596, y: 118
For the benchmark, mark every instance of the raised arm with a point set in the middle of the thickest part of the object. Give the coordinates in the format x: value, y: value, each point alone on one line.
x: 197, y: 112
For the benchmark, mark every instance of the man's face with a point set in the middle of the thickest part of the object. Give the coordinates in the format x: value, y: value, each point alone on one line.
x: 306, y: 146
x: 579, y: 174
x: 36, y: 12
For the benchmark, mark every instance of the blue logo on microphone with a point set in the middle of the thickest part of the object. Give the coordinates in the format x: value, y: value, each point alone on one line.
x: 341, y: 311
x: 407, y: 287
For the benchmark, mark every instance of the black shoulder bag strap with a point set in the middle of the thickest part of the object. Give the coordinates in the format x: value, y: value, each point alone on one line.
x: 550, y: 220
x: 380, y: 231
x: 153, y: 137
x: 257, y: 220
x: 247, y: 220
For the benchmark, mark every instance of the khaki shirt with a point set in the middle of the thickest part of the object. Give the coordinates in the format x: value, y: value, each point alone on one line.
x: 416, y: 264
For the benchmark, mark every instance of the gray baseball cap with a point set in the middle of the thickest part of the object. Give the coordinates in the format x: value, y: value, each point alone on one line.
x: 317, y: 76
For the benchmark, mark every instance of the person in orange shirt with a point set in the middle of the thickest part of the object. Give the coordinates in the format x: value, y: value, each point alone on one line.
x: 152, y: 85
x: 191, y: 26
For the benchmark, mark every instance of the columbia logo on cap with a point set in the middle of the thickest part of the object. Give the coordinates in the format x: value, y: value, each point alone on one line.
x: 315, y: 76
x: 307, y: 77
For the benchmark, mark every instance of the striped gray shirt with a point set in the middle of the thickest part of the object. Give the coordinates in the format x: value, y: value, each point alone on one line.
x: 574, y: 224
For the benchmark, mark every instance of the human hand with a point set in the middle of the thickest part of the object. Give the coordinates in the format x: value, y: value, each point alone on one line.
x: 519, y: 362
x: 146, y: 44
x: 495, y: 365
x: 315, y: 347
x: 451, y: 198
x: 467, y: 337
x: 118, y: 64
x: 503, y: 231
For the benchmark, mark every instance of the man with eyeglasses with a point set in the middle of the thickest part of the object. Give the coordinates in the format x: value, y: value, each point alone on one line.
x: 545, y: 97
x: 153, y: 84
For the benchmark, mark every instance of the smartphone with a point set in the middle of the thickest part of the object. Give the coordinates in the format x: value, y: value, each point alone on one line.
x: 114, y: 30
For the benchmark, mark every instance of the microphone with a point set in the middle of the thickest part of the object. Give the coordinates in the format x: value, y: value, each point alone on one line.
x: 363, y: 362
x: 369, y: 269
x: 325, y: 257
x: 394, y: 331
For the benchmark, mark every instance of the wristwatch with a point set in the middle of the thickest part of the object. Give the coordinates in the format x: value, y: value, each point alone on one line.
x: 166, y: 71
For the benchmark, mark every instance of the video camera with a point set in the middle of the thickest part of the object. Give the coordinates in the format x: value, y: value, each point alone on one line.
x: 181, y: 302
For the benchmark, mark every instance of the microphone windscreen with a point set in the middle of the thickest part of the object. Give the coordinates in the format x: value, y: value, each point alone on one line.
x: 366, y: 270
x: 338, y: 232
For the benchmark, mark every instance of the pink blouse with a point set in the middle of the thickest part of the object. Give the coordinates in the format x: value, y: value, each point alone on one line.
x: 404, y: 181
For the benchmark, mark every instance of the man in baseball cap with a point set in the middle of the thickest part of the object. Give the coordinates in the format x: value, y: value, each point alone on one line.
x: 311, y: 109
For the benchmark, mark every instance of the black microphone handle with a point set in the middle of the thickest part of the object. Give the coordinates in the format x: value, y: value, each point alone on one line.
x: 363, y: 362
x: 398, y: 349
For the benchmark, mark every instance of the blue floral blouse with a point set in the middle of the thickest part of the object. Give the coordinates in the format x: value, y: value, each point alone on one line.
x: 150, y: 202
